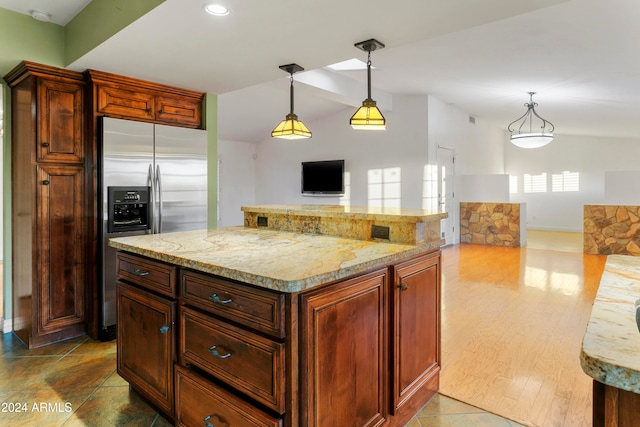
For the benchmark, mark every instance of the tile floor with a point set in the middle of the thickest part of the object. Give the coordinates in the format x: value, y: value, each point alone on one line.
x: 74, y: 383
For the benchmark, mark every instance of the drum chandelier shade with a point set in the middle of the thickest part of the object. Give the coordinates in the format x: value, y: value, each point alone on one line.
x: 530, y: 139
x: 368, y: 117
x: 291, y: 127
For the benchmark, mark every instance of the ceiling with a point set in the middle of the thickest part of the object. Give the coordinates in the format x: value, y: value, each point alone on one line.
x: 481, y: 56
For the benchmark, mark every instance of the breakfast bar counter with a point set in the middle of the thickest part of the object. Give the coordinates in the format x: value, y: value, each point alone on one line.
x: 611, y: 346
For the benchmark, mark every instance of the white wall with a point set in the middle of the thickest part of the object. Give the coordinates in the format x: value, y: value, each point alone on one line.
x: 236, y: 180
x: 622, y: 188
x: 403, y: 145
x: 592, y: 157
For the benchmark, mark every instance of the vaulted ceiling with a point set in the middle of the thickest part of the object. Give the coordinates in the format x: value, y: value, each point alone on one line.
x: 482, y: 57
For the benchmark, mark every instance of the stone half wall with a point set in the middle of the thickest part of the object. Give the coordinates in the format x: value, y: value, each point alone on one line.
x: 612, y: 229
x: 494, y: 224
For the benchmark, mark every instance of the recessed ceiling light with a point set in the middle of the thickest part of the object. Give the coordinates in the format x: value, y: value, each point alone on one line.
x: 216, y: 9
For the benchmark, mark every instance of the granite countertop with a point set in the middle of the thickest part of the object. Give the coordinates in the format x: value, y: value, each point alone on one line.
x: 611, y: 346
x: 354, y: 212
x: 277, y: 260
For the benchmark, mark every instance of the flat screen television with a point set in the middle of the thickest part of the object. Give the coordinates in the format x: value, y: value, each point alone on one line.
x: 323, y: 177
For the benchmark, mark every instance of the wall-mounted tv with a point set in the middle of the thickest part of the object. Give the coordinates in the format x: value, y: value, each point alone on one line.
x: 323, y: 177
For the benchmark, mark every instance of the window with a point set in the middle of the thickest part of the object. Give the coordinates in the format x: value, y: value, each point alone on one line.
x: 384, y: 187
x: 430, y: 188
x: 535, y: 183
x: 513, y: 184
x: 565, y: 181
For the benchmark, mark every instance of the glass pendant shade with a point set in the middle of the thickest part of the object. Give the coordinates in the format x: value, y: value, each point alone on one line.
x: 291, y: 128
x: 530, y: 139
x: 368, y: 117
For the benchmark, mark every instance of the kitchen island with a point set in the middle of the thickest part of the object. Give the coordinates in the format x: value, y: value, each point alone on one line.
x: 611, y: 346
x: 262, y: 327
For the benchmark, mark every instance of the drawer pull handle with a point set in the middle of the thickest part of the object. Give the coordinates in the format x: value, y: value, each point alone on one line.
x: 207, y: 421
x: 164, y: 329
x: 139, y: 272
x: 403, y: 286
x: 215, y: 298
x: 214, y: 351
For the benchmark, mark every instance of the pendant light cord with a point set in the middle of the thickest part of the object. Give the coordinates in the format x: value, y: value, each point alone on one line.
x: 291, y: 93
x: 369, y: 76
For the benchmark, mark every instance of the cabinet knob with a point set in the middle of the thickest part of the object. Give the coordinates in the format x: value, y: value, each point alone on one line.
x: 164, y: 329
x: 45, y: 144
x: 45, y: 182
x: 403, y: 286
x: 214, y: 351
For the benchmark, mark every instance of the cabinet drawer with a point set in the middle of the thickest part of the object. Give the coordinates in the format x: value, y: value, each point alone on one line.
x: 123, y: 103
x: 250, y: 363
x: 199, y: 402
x: 256, y: 308
x: 153, y: 275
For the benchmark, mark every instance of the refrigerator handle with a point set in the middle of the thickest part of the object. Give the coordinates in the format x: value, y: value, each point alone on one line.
x: 159, y: 188
x: 151, y: 185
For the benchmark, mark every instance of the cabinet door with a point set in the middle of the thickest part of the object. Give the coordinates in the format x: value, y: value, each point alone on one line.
x: 60, y: 250
x: 179, y: 111
x: 126, y: 104
x: 416, y: 325
x: 345, y: 353
x: 60, y: 122
x: 146, y: 338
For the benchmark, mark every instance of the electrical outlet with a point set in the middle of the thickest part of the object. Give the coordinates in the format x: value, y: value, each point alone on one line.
x: 263, y: 221
x: 379, y: 232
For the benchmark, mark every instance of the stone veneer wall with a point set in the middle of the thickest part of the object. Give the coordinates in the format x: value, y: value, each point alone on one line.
x: 494, y: 224
x: 612, y: 229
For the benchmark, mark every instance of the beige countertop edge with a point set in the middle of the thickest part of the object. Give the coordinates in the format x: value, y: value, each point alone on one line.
x: 610, y: 351
x: 379, y: 216
x: 288, y: 286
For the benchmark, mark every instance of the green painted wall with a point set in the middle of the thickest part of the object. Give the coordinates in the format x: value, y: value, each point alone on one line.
x: 25, y: 38
x: 98, y: 21
x: 211, y: 124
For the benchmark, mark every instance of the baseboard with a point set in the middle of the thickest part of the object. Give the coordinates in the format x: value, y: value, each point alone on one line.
x: 5, y: 325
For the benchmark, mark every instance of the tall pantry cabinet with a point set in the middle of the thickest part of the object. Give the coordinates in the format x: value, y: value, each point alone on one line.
x: 49, y: 205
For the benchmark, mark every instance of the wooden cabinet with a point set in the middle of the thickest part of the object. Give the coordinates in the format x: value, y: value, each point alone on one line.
x: 49, y: 203
x: 362, y: 351
x: 60, y: 136
x: 416, y: 328
x: 614, y: 407
x: 345, y: 353
x: 146, y: 344
x: 146, y: 333
x: 128, y: 98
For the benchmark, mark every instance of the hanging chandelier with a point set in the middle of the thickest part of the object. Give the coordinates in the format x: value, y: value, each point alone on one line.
x: 368, y: 117
x: 530, y: 139
x: 291, y: 127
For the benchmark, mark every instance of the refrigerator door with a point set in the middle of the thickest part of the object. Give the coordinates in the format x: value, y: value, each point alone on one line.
x: 181, y: 174
x: 127, y: 160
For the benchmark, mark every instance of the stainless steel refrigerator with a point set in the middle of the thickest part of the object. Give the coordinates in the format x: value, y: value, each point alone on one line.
x: 154, y: 180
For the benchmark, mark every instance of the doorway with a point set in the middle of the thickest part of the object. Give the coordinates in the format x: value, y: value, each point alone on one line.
x: 446, y: 194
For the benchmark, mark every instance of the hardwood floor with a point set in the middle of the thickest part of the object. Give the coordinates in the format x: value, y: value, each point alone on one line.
x: 512, y: 326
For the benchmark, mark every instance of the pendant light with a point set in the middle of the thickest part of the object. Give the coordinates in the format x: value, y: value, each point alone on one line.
x: 291, y: 127
x: 368, y: 117
x: 530, y: 139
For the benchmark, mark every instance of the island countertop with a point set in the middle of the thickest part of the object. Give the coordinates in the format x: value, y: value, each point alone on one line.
x: 611, y: 346
x: 277, y: 260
